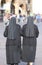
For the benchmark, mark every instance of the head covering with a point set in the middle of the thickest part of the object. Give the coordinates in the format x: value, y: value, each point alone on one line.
x: 12, y: 28
x: 30, y: 27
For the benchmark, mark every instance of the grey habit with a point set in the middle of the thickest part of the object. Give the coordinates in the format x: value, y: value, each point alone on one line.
x: 30, y: 33
x: 12, y: 30
x: 30, y: 27
x: 13, y: 43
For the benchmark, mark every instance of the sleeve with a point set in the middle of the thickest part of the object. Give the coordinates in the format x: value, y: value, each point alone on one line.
x: 6, y: 32
x: 37, y: 31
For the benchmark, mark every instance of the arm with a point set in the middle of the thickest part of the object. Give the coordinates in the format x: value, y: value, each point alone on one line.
x: 37, y: 31
x: 6, y: 32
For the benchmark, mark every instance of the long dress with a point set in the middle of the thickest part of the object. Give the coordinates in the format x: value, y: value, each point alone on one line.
x: 29, y: 45
x: 13, y: 47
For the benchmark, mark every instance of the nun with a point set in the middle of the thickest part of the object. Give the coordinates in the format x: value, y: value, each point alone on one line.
x: 30, y: 33
x: 13, y: 42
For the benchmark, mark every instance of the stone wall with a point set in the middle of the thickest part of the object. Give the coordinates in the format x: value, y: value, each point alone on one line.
x: 24, y: 2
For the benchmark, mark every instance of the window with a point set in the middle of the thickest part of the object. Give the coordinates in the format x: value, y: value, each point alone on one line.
x: 2, y: 2
x: 29, y: 1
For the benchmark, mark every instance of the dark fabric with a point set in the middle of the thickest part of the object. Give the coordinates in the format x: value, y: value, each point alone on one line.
x: 13, y: 47
x: 12, y: 29
x: 30, y: 27
x: 12, y: 64
x: 29, y: 45
x: 6, y: 32
x: 16, y: 64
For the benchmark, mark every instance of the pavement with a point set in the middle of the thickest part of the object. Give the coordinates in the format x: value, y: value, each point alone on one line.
x: 38, y: 59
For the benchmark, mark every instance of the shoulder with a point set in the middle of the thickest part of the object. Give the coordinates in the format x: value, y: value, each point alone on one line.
x: 36, y: 28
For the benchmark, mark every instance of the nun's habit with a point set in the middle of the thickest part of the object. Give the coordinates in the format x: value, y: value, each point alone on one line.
x: 13, y: 43
x: 30, y: 33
